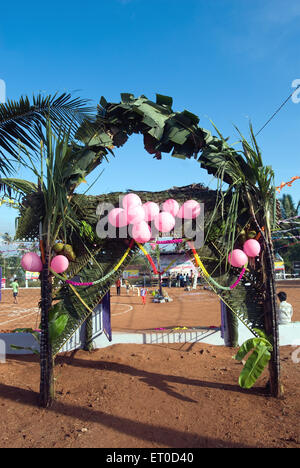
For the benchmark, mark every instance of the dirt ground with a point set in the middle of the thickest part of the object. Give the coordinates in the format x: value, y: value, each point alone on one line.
x: 188, y: 309
x: 149, y: 396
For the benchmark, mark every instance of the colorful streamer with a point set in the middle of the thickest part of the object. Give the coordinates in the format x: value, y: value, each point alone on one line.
x: 148, y: 256
x: 104, y: 278
x: 285, y: 237
x: 288, y: 220
x: 205, y: 272
x: 239, y: 279
x: 289, y: 183
x: 170, y: 241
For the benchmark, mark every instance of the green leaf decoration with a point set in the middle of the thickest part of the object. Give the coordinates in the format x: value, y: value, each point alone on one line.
x: 250, y: 344
x: 261, y: 353
x: 57, y: 326
x: 164, y: 100
x: 255, y: 365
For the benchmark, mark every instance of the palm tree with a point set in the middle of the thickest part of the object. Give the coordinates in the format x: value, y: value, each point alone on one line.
x: 62, y: 167
x: 7, y: 239
x: 22, y: 122
x: 288, y: 208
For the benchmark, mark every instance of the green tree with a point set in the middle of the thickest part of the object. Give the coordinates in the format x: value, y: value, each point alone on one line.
x: 288, y: 207
x: 22, y: 122
x: 63, y: 166
x: 7, y: 238
x: 288, y: 247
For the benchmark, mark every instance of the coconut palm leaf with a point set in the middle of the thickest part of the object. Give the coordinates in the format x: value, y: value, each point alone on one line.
x: 22, y: 121
x: 17, y: 187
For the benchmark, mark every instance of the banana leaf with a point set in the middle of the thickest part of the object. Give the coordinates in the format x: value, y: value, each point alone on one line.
x: 255, y: 365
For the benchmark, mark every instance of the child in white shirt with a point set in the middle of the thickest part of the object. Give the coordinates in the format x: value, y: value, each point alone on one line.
x: 285, y: 309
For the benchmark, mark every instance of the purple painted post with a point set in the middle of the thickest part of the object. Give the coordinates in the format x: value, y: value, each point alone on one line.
x: 106, y: 315
x: 223, y: 318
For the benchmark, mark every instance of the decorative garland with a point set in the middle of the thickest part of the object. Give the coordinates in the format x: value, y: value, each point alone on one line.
x: 288, y: 220
x: 148, y: 256
x: 200, y: 265
x: 116, y: 267
x: 205, y: 272
x: 170, y: 241
x: 283, y: 184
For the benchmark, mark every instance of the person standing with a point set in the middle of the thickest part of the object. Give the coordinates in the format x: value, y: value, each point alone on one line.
x: 118, y: 286
x: 195, y: 280
x: 15, y: 288
x: 285, y: 309
x: 143, y: 295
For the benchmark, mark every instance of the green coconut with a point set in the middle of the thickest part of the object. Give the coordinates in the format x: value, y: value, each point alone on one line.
x: 251, y: 234
x: 69, y: 252
x: 58, y: 247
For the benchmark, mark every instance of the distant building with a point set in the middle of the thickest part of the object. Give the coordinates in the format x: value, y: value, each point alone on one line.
x: 279, y: 269
x: 296, y: 268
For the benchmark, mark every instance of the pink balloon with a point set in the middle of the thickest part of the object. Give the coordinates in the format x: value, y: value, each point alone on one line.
x: 189, y: 210
x: 237, y: 258
x: 151, y: 210
x: 171, y: 206
x: 31, y: 262
x: 141, y: 232
x: 59, y: 264
x: 251, y: 248
x: 131, y: 199
x: 135, y: 214
x: 164, y: 221
x: 118, y: 217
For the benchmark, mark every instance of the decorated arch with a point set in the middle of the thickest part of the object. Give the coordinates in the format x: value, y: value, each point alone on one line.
x: 54, y: 214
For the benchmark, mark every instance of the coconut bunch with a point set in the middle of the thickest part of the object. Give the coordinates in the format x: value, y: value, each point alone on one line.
x: 65, y: 249
x: 65, y: 254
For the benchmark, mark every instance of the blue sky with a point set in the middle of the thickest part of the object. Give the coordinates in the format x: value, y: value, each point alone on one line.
x: 230, y: 61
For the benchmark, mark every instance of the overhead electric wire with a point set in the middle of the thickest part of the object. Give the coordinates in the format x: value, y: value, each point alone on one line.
x: 276, y: 112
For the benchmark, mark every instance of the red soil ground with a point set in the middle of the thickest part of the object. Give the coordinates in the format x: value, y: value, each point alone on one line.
x: 154, y: 396
x: 189, y: 309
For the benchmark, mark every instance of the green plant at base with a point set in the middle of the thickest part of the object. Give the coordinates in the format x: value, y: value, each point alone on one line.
x: 57, y: 324
x: 261, y: 354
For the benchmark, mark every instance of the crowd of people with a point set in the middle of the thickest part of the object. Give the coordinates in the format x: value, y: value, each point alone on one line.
x: 182, y: 280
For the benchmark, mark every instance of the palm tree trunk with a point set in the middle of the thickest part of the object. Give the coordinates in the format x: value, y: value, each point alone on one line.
x: 270, y: 307
x: 270, y: 315
x: 232, y: 328
x: 88, y: 344
x: 46, y: 360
